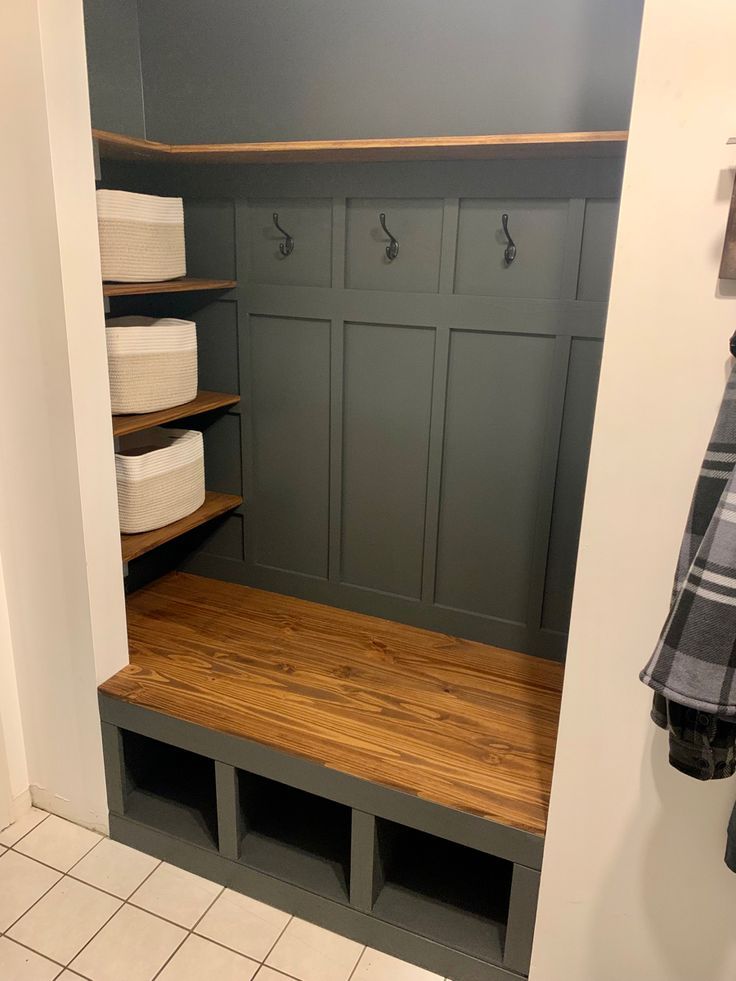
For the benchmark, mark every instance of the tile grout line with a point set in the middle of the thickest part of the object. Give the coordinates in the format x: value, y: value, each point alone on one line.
x: 357, y: 963
x: 34, y: 951
x: 12, y: 847
x: 189, y: 930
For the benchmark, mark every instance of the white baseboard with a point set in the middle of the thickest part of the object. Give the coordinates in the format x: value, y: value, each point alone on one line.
x: 47, y: 801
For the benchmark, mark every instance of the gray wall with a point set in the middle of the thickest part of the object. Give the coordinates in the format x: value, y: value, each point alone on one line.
x: 229, y: 70
x: 114, y: 65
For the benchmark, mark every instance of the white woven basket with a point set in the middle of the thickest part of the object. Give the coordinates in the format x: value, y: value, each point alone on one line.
x: 152, y: 363
x: 141, y: 237
x: 160, y: 476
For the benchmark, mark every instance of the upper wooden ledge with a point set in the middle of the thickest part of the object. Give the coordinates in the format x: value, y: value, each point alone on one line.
x: 515, y: 145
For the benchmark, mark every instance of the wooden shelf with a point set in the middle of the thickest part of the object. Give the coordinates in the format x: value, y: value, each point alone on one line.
x: 187, y: 284
x: 514, y: 145
x: 214, y: 505
x: 204, y: 402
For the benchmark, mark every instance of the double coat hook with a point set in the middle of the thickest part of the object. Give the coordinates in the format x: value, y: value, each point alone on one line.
x: 509, y: 253
x: 287, y: 246
x: 392, y: 249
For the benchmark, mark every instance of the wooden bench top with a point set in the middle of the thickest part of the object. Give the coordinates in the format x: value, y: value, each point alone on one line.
x: 456, y: 722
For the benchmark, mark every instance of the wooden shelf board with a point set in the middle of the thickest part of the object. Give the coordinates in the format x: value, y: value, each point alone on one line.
x: 462, y: 724
x: 186, y: 284
x: 214, y: 505
x: 204, y: 402
x: 514, y: 145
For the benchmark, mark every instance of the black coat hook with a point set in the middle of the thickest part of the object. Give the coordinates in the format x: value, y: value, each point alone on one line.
x: 287, y: 246
x: 392, y: 249
x: 509, y: 253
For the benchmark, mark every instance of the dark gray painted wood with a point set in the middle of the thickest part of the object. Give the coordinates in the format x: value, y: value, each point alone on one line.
x: 577, y: 428
x: 510, y: 314
x: 538, y: 228
x: 547, y: 474
x: 366, y: 873
x: 277, y: 853
x: 114, y: 65
x: 115, y: 775
x: 228, y: 810
x: 290, y: 377
x: 417, y: 226
x: 497, y: 396
x: 386, y: 412
x: 596, y: 260
x: 225, y: 539
x: 209, y: 230
x: 222, y: 465
x: 217, y: 347
x: 265, y: 70
x: 580, y: 177
x: 522, y: 916
x: 309, y: 222
x: 351, y: 923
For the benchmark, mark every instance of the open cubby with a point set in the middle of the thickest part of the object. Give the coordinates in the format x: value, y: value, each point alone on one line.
x: 170, y: 789
x: 442, y: 890
x: 295, y: 835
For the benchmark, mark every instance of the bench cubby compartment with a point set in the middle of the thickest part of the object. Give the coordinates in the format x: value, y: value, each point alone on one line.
x: 170, y: 789
x: 294, y: 835
x: 442, y: 890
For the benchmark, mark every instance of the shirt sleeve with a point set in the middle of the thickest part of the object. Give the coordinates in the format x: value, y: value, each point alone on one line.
x: 702, y: 745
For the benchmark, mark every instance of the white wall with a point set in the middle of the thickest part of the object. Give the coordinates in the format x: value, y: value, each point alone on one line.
x: 58, y: 543
x: 14, y: 780
x: 633, y: 885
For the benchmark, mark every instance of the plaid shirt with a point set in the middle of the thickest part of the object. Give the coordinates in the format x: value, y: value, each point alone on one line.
x: 693, y: 667
x: 694, y: 662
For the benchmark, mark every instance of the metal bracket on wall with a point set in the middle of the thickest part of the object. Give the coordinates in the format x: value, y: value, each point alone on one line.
x: 392, y: 249
x: 287, y: 246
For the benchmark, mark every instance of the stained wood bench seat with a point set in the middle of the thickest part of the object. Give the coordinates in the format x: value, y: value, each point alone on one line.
x: 458, y: 723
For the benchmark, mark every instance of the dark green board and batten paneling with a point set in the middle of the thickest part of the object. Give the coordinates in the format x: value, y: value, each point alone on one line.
x: 412, y: 435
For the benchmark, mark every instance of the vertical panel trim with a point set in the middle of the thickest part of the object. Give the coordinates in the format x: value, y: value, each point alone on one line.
x: 365, y: 869
x: 243, y: 334
x: 522, y: 916
x: 228, y: 810
x: 547, y: 480
x: 434, y: 462
x: 448, y: 254
x: 115, y: 773
x: 337, y: 374
x: 573, y: 249
x: 338, y: 243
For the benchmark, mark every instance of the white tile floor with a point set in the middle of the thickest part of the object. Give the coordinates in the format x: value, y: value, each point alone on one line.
x: 76, y: 905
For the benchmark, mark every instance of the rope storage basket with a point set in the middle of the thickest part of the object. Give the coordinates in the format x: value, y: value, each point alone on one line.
x: 160, y: 477
x: 141, y: 237
x: 152, y: 363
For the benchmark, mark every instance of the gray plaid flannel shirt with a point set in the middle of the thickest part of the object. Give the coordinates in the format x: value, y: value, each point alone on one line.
x: 693, y: 667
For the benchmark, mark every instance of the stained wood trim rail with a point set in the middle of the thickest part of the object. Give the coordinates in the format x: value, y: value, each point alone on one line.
x: 204, y: 402
x: 513, y: 145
